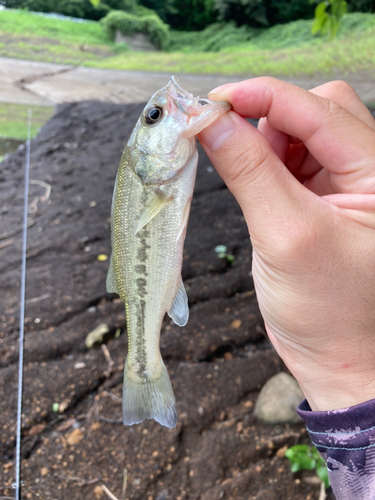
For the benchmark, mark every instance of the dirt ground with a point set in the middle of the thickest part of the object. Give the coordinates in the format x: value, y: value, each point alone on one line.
x: 218, y: 362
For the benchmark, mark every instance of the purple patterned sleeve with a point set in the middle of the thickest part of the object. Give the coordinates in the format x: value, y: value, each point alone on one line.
x: 346, y: 440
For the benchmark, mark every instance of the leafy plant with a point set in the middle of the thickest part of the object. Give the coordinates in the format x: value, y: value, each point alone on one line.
x: 150, y: 25
x: 327, y: 17
x: 221, y: 251
x: 302, y: 456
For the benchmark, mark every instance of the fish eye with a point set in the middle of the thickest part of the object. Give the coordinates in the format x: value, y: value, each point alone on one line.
x: 202, y: 102
x: 153, y: 114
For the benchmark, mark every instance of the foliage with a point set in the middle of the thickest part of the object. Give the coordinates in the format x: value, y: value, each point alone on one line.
x: 151, y: 25
x: 302, y: 456
x: 347, y: 53
x: 214, y: 38
x: 29, y: 23
x: 163, y: 8
x: 84, y: 9
x: 288, y: 49
x: 285, y: 11
x: 327, y: 17
x: 250, y: 12
x: 361, y: 5
x: 192, y: 15
x: 221, y: 251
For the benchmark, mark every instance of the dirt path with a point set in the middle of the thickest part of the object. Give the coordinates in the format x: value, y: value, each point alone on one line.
x: 46, y: 84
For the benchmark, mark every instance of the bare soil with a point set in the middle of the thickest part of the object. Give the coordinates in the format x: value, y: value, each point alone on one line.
x: 217, y: 363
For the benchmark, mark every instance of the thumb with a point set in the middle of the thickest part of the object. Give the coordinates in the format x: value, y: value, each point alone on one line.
x: 269, y: 195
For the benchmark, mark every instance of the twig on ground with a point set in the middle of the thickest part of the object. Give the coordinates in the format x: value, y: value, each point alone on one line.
x: 124, y: 484
x: 80, y: 480
x: 46, y: 186
x: 3, y: 245
x: 112, y: 396
x: 109, y: 361
x: 322, y: 495
x: 110, y: 420
x: 6, y: 235
x: 107, y: 492
x: 93, y: 409
x: 37, y: 299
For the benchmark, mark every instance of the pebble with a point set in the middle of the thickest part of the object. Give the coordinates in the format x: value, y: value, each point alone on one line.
x: 44, y: 471
x: 278, y: 400
x: 74, y: 437
x: 98, y: 491
x: 96, y: 337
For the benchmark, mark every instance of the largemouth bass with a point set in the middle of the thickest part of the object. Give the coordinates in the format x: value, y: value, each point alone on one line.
x: 150, y: 211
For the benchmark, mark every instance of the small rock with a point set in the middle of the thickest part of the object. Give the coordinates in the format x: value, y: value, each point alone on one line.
x: 8, y: 466
x: 265, y: 495
x: 98, y: 491
x: 235, y: 324
x: 37, y: 429
x: 278, y: 400
x: 163, y: 495
x: 228, y: 356
x: 97, y: 336
x: 74, y: 437
x: 79, y: 365
x: 44, y: 471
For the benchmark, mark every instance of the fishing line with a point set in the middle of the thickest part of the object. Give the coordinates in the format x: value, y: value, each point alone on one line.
x: 17, y: 485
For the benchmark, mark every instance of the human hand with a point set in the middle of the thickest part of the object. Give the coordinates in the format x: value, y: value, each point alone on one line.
x: 305, y: 181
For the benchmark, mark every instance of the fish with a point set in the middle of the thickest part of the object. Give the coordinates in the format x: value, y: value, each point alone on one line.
x: 149, y: 216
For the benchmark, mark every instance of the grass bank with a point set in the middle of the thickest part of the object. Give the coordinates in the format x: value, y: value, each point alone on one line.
x: 13, y: 120
x: 27, y: 35
x: 281, y: 50
x: 354, y: 53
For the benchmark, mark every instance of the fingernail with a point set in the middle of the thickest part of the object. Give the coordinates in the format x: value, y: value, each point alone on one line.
x: 219, y: 90
x: 214, y: 135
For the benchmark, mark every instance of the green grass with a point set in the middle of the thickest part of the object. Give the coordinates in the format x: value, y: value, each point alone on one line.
x: 350, y: 54
x: 27, y: 35
x: 24, y: 23
x: 13, y: 120
x: 281, y: 50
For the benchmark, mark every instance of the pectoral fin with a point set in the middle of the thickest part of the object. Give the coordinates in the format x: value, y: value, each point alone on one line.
x: 152, y: 209
x: 111, y: 279
x: 179, y: 310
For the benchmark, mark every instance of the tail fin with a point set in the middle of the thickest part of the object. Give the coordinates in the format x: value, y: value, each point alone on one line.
x: 152, y: 398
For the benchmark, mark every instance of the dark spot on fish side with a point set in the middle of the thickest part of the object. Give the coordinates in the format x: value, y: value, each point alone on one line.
x: 141, y: 287
x: 141, y: 269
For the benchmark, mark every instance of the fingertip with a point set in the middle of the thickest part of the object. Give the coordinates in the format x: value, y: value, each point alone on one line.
x: 219, y: 93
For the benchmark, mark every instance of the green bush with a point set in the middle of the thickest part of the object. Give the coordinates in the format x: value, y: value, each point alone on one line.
x: 127, y: 24
x: 74, y: 8
x: 214, y: 38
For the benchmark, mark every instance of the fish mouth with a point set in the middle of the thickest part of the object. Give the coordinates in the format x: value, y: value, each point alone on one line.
x: 177, y: 93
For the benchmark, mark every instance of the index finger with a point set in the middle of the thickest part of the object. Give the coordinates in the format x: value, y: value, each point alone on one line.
x: 340, y: 142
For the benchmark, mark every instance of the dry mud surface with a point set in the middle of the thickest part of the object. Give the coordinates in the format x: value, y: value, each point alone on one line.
x: 217, y: 363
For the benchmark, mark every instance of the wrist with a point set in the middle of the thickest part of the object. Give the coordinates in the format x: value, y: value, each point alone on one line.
x: 326, y: 390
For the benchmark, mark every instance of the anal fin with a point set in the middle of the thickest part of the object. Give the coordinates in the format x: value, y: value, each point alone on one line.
x: 179, y: 310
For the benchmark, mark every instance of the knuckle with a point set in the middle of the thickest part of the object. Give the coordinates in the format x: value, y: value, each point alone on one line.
x: 341, y: 87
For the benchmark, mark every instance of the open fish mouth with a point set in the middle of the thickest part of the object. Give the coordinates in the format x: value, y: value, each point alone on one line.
x: 176, y: 91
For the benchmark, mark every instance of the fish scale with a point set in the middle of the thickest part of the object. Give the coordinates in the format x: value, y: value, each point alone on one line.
x: 150, y: 209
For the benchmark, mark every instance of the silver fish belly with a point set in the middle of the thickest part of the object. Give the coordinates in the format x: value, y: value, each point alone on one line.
x: 150, y: 211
